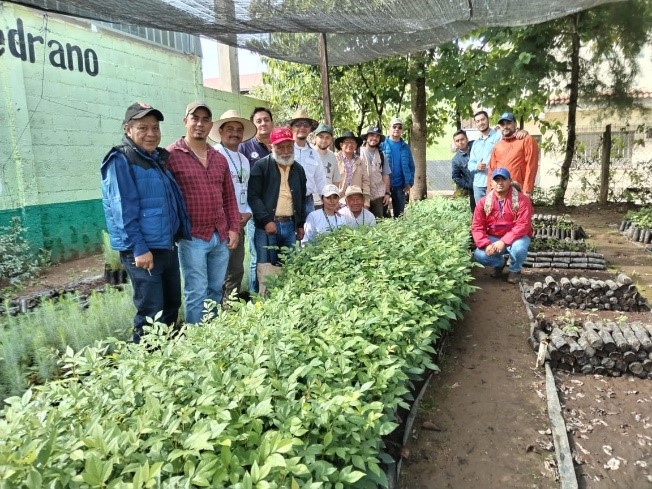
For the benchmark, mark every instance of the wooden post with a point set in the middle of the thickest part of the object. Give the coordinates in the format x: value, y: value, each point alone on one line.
x: 325, y: 83
x: 605, y: 161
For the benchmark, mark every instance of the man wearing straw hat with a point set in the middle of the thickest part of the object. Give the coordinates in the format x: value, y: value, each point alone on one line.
x: 301, y: 125
x: 205, y: 181
x: 229, y: 131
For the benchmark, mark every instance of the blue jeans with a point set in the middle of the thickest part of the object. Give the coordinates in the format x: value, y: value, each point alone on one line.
x: 398, y: 201
x: 285, y: 236
x: 203, y: 264
x: 517, y: 252
x: 310, y: 204
x: 154, y: 291
x: 478, y: 193
x: 253, y: 278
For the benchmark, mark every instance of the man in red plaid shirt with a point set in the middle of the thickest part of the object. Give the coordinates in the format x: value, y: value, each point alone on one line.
x: 205, y: 180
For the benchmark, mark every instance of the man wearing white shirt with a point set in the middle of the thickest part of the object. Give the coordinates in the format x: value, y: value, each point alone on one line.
x: 355, y: 213
x: 326, y: 219
x: 301, y: 125
x: 229, y: 131
x: 323, y: 142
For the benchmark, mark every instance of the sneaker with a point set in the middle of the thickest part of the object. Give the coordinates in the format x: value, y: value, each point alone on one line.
x: 514, y: 277
x: 498, y: 272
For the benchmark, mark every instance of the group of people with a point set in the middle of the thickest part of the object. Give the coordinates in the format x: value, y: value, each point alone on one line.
x: 502, y: 218
x: 185, y: 210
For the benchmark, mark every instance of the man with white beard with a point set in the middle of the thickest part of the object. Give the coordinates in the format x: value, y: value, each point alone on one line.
x: 276, y: 195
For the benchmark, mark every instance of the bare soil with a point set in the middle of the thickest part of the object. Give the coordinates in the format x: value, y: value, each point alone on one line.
x: 483, y: 421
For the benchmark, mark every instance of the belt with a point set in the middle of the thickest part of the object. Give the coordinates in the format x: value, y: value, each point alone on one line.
x: 283, y: 218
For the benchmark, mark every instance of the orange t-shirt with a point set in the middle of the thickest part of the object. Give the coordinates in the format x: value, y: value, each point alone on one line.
x: 520, y: 157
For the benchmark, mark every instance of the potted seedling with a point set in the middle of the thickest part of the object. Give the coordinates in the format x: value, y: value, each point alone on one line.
x: 114, y: 273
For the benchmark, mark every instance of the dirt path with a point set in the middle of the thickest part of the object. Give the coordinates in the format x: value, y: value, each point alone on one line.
x: 483, y: 421
x: 486, y: 407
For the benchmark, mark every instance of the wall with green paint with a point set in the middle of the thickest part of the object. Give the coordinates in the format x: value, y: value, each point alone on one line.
x: 65, y: 84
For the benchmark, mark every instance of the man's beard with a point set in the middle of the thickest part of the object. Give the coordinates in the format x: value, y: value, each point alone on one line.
x: 283, y: 160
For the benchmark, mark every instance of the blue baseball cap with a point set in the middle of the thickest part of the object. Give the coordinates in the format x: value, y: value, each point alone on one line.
x: 507, y: 116
x: 501, y: 172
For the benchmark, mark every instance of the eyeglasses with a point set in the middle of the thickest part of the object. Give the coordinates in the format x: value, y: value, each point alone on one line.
x: 302, y: 124
x: 397, y: 126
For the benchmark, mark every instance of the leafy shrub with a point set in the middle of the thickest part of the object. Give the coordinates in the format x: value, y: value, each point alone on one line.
x: 17, y: 261
x: 641, y: 217
x: 296, y: 390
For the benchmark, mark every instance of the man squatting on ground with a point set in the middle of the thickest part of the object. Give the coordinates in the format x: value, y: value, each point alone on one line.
x: 254, y: 149
x: 145, y: 213
x: 502, y: 226
x: 277, y: 192
x: 205, y: 181
x: 228, y: 132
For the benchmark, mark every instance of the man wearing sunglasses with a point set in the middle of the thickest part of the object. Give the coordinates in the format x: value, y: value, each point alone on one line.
x: 399, y: 156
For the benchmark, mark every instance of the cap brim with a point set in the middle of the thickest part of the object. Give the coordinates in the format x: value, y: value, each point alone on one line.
x: 338, y: 141
x: 249, y: 128
x: 145, y: 112
x: 382, y: 136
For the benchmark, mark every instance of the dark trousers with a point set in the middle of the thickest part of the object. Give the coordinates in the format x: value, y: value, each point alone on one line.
x: 158, y: 290
x: 398, y: 201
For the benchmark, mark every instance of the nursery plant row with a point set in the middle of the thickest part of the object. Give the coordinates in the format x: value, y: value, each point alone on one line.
x: 296, y: 390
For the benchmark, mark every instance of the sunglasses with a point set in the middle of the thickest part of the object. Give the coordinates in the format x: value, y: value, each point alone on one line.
x: 302, y: 124
x: 397, y: 126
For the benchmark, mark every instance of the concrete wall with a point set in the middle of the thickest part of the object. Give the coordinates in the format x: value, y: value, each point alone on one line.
x: 65, y: 84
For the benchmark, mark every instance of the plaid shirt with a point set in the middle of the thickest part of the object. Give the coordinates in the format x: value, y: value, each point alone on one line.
x: 208, y: 192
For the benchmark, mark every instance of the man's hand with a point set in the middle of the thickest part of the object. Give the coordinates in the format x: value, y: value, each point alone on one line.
x: 244, y: 218
x: 386, y: 199
x: 521, y: 133
x: 270, y: 227
x: 300, y: 234
x: 146, y: 261
x: 407, y: 189
x: 495, y: 248
x: 481, y: 166
x: 233, y: 239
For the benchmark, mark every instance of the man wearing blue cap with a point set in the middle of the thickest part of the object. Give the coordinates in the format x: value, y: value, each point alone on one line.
x: 519, y: 155
x: 502, y: 227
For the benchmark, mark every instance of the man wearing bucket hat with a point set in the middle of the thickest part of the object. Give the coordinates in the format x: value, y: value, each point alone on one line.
x: 399, y: 156
x: 277, y: 190
x: 228, y: 132
x: 145, y: 213
x: 301, y: 126
x: 326, y: 219
x: 205, y: 181
x: 378, y: 170
x: 502, y: 227
x: 354, y: 213
x: 519, y: 156
x: 352, y: 168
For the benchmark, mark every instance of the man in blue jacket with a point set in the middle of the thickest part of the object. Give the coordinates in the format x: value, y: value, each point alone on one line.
x: 460, y: 173
x: 145, y: 214
x: 399, y: 156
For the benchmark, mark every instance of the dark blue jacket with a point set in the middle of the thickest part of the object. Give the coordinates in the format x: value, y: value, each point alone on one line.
x: 143, y: 206
x: 402, y: 171
x: 460, y: 171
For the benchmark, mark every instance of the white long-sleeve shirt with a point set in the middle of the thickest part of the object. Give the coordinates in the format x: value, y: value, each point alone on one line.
x: 310, y: 160
x: 240, y: 170
x: 319, y: 222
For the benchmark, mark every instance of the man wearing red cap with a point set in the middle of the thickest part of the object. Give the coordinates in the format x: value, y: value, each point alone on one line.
x: 502, y: 227
x: 276, y: 195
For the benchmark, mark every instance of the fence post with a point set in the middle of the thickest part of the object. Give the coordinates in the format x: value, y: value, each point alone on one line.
x: 605, y: 161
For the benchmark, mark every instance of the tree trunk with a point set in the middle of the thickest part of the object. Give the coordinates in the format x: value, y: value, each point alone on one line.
x: 604, y: 164
x: 574, y: 88
x: 418, y: 134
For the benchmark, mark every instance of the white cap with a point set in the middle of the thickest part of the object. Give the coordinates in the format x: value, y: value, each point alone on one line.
x: 395, y: 120
x: 329, y: 190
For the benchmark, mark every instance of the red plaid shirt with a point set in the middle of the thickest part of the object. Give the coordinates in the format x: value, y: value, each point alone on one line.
x: 208, y: 192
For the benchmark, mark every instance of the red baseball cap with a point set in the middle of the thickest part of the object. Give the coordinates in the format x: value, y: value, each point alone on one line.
x: 280, y: 134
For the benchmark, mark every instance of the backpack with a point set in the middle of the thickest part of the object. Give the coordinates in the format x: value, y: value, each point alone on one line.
x: 488, y: 201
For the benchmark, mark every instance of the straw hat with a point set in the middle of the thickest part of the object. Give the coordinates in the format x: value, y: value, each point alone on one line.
x: 232, y: 116
x: 301, y: 114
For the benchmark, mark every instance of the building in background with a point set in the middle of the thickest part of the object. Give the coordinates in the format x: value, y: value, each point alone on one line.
x: 66, y: 83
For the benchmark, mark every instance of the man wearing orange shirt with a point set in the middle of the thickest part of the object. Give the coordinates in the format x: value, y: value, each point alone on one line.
x: 519, y: 156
